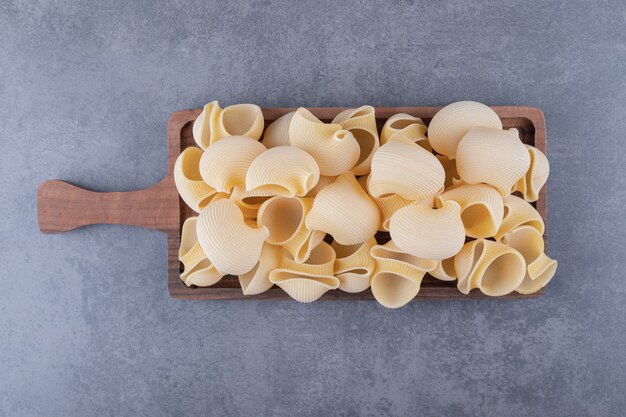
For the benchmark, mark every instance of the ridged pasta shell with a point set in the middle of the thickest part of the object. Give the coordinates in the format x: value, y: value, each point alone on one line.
x: 277, y: 133
x: 491, y: 156
x: 390, y: 258
x: 335, y: 149
x: 518, y: 212
x: 307, y: 281
x: 284, y: 171
x: 536, y: 176
x: 361, y: 122
x: 453, y: 121
x: 403, y: 126
x: 198, y: 270
x: 204, y: 123
x: 321, y: 183
x: 228, y: 242
x: 248, y: 202
x: 493, y: 267
x: 345, y: 211
x: 224, y: 164
x: 387, y: 205
x: 444, y: 270
x: 354, y: 265
x: 482, y: 208
x: 192, y: 189
x: 215, y: 123
x: 540, y: 268
x: 257, y: 281
x: 428, y: 233
x: 405, y: 169
x: 449, y: 167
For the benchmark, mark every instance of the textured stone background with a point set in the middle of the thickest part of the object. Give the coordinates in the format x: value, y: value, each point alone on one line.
x: 87, y: 327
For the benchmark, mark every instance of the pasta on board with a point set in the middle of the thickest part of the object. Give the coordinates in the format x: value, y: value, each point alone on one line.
x: 256, y: 281
x: 215, y: 123
x: 192, y: 189
x: 277, y: 133
x: 536, y: 176
x: 197, y: 269
x: 405, y: 127
x: 354, y: 265
x: 361, y: 122
x: 518, y: 212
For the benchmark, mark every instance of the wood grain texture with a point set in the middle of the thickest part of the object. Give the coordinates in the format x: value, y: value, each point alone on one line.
x: 63, y: 207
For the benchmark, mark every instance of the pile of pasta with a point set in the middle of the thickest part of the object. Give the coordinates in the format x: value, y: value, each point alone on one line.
x: 454, y: 197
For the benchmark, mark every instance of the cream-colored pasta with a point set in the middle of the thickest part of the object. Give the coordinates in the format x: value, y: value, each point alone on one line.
x: 345, y: 211
x: 444, y: 270
x: 354, y: 265
x: 284, y: 171
x: 518, y: 212
x: 307, y: 281
x: 449, y: 167
x: 248, y: 201
x: 197, y: 269
x: 335, y: 149
x: 536, y: 176
x: 321, y: 183
x: 192, y: 189
x: 227, y: 240
x: 540, y: 268
x: 390, y: 258
x: 453, y: 121
x: 277, y: 133
x: 225, y: 163
x: 257, y: 279
x: 482, y: 208
x: 387, y: 205
x: 203, y: 124
x: 405, y: 169
x: 428, y: 233
x: 361, y: 122
x: 403, y: 126
x: 215, y: 123
x: 493, y: 267
x: 492, y: 156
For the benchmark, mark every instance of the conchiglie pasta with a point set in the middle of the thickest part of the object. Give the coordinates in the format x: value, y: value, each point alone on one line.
x: 428, y: 233
x: 257, y: 281
x: 403, y: 126
x: 190, y: 185
x: 345, y: 211
x: 335, y: 149
x: 225, y: 163
x: 361, y: 122
x: 248, y: 201
x: 277, y: 133
x: 444, y: 270
x: 407, y: 170
x: 494, y: 157
x: 453, y: 121
x: 482, y: 208
x: 228, y: 242
x: 307, y: 281
x: 518, y: 212
x: 354, y: 265
x: 321, y: 183
x: 283, y: 170
x: 215, y: 123
x: 494, y: 268
x: 536, y: 176
x: 387, y: 205
x: 197, y: 269
x: 449, y: 167
x: 540, y: 268
x: 204, y: 123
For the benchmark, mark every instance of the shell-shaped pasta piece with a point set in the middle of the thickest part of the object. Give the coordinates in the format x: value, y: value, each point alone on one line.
x: 198, y: 270
x: 492, y: 156
x: 192, y: 189
x: 248, y: 202
x: 321, y: 183
x: 387, y: 205
x: 390, y: 258
x: 405, y: 169
x: 540, y: 268
x: 531, y: 183
x: 224, y: 164
x: 518, y: 212
x: 277, y: 133
x: 361, y: 122
x: 354, y: 265
x: 493, y: 267
x: 482, y: 208
x: 283, y: 170
x: 453, y: 121
x: 444, y: 270
x: 428, y: 233
x: 257, y: 279
x: 228, y: 242
x: 335, y: 149
x: 405, y: 127
x: 344, y: 210
x: 307, y: 281
x: 449, y: 167
x: 215, y: 123
x: 205, y: 123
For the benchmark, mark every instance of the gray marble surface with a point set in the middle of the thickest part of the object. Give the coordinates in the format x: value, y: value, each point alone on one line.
x: 87, y: 327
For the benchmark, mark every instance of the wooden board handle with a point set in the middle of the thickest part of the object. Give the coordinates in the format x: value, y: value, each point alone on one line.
x: 63, y: 206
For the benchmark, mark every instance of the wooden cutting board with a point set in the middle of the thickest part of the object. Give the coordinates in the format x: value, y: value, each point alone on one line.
x: 63, y: 206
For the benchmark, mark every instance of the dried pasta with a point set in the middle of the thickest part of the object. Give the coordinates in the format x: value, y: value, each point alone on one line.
x: 215, y: 123
x: 361, y: 122
x: 453, y: 121
x: 335, y: 149
x: 283, y: 170
x: 192, y: 189
x: 518, y: 212
x: 197, y: 269
x: 405, y: 127
x: 444, y: 270
x: 354, y: 265
x: 494, y: 157
x: 248, y: 201
x: 277, y: 133
x: 256, y: 281
x: 345, y: 211
x: 321, y: 183
x: 536, y: 176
